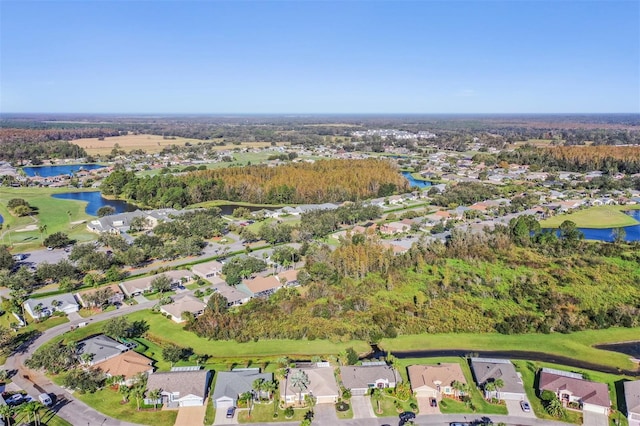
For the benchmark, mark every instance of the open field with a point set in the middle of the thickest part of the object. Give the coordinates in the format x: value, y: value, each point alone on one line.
x: 149, y: 143
x: 58, y: 215
x: 576, y: 345
x: 595, y: 217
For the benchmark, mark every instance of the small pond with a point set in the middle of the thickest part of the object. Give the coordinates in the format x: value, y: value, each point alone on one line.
x: 48, y: 171
x: 95, y: 200
x: 227, y: 209
x: 627, y: 348
x: 415, y: 183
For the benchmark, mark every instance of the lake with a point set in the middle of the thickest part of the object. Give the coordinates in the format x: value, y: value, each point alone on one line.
x: 415, y: 183
x: 606, y: 234
x: 48, y: 171
x: 95, y: 200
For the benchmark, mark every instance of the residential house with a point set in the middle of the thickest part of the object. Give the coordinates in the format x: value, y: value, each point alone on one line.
x: 261, y: 286
x: 42, y: 308
x: 126, y: 364
x: 288, y: 278
x: 361, y: 379
x: 234, y: 296
x: 632, y: 402
x: 231, y: 384
x: 489, y: 370
x: 435, y: 381
x: 392, y: 228
x: 115, y: 299
x: 100, y: 348
x: 322, y: 385
x: 143, y: 285
x: 181, y: 388
x: 572, y: 388
x: 183, y: 303
x: 207, y: 270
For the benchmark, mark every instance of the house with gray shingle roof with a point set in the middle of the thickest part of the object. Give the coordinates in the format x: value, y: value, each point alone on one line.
x: 181, y: 388
x: 231, y: 384
x: 101, y: 348
x: 361, y: 379
x: 488, y: 370
x: 44, y: 307
x: 632, y: 402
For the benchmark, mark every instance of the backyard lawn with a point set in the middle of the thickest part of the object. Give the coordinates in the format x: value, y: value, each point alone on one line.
x: 263, y: 413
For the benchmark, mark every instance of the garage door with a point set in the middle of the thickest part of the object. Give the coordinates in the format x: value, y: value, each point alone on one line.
x: 190, y: 402
x: 223, y: 403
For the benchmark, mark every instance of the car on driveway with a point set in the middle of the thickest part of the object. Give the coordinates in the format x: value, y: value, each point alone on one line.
x: 45, y: 399
x: 231, y: 411
x: 525, y: 406
x: 433, y: 402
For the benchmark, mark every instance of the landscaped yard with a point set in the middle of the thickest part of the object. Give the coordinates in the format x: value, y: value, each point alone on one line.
x: 594, y: 217
x: 387, y: 404
x: 263, y: 413
x: 108, y: 401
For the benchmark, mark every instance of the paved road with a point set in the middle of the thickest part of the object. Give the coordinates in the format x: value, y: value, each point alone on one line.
x: 34, y: 382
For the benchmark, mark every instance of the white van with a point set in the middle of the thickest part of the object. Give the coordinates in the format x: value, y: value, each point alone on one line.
x: 45, y: 399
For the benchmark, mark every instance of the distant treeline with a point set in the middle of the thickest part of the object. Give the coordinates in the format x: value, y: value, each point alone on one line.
x: 610, y: 159
x: 300, y: 183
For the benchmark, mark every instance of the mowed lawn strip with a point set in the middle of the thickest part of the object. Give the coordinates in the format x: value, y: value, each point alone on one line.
x: 595, y: 217
x: 577, y: 345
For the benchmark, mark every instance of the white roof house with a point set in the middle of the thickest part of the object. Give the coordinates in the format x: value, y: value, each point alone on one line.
x: 42, y: 308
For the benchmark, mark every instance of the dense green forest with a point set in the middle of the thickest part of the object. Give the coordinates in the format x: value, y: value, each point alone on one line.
x: 514, y: 280
x: 299, y: 183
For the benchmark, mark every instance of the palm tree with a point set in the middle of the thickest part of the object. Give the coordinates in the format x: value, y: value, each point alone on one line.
x: 6, y: 412
x: 270, y: 387
x: 29, y: 408
x: 138, y: 392
x: 310, y: 400
x: 43, y: 229
x: 9, y: 234
x: 125, y: 391
x: 376, y: 395
x: 258, y: 386
x: 555, y: 408
x: 499, y: 383
x: 459, y: 387
x: 155, y: 395
x: 300, y: 381
x: 488, y: 388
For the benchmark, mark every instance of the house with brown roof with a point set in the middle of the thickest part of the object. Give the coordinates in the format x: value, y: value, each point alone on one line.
x: 288, y: 278
x: 361, y: 379
x: 572, y: 388
x: 392, y: 228
x: 632, y: 402
x: 181, y: 388
x: 435, y: 381
x: 84, y: 297
x: 261, y: 286
x: 183, y: 303
x: 127, y: 364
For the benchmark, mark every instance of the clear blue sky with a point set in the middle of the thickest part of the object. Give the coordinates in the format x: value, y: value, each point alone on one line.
x: 320, y: 57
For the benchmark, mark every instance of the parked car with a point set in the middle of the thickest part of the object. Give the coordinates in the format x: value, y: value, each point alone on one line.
x: 407, y: 415
x: 45, y: 399
x: 14, y: 399
x: 525, y: 406
x: 458, y: 424
x: 231, y: 411
x: 433, y: 402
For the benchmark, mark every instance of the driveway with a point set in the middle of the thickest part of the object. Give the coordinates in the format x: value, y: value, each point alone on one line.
x: 140, y: 299
x: 514, y: 409
x: 594, y: 419
x: 361, y: 406
x: 74, y: 316
x: 325, y: 414
x: 221, y: 416
x: 425, y: 408
x: 190, y: 416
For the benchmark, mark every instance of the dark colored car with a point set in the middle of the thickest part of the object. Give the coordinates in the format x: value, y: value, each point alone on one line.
x: 407, y: 415
x: 433, y: 402
x: 231, y: 411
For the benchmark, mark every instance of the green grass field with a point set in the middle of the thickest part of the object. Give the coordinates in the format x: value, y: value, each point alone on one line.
x: 58, y: 216
x: 595, y: 217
